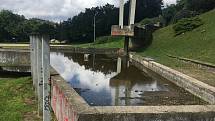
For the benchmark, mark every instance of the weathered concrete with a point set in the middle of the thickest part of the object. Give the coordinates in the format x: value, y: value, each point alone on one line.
x: 14, y: 58
x: 90, y: 50
x: 46, y: 78
x: 194, y: 86
x: 196, y: 62
x: 125, y: 31
x: 69, y: 106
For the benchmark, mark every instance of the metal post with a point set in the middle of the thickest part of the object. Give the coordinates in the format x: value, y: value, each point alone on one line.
x: 121, y: 14
x: 40, y: 67
x: 46, y: 78
x: 132, y: 12
x: 39, y: 74
x: 131, y: 22
x: 32, y: 57
x: 33, y: 45
x: 94, y: 27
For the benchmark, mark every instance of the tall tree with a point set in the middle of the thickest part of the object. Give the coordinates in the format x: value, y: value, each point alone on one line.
x: 145, y: 9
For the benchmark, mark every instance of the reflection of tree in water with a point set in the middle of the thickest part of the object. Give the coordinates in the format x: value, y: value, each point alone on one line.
x: 99, y: 62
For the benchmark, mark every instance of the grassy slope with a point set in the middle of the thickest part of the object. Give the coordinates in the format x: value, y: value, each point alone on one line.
x: 108, y: 42
x: 195, y: 44
x: 16, y: 100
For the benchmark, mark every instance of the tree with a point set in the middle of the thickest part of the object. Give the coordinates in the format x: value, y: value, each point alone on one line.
x: 200, y: 5
x: 11, y: 25
x: 168, y: 14
x: 145, y: 9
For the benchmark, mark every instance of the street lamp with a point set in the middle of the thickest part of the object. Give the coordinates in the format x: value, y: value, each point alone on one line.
x: 94, y: 28
x: 94, y: 24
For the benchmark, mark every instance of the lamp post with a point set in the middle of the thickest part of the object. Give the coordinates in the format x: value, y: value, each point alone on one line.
x: 94, y: 21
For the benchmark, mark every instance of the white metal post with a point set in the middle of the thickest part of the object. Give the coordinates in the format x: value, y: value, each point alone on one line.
x: 131, y: 21
x: 39, y: 75
x: 94, y: 24
x: 40, y: 67
x: 32, y: 57
x: 46, y: 78
x: 121, y: 14
x: 132, y: 12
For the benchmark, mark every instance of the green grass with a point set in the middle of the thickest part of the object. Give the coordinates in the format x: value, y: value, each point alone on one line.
x: 198, y: 44
x: 104, y: 42
x: 17, y: 100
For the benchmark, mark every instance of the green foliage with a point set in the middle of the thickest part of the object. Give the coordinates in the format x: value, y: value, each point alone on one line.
x: 168, y: 14
x: 80, y: 27
x: 184, y: 14
x: 187, y: 24
x: 186, y: 9
x: 11, y: 25
x: 14, y: 27
x: 144, y: 9
x: 200, y: 5
x: 151, y: 21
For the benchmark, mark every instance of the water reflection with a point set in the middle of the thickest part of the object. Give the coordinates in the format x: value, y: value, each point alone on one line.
x: 106, y: 79
x: 78, y: 75
x: 105, y: 87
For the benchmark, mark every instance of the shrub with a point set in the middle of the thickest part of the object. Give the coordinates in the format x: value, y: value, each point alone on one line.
x: 184, y: 14
x: 151, y: 21
x: 187, y: 24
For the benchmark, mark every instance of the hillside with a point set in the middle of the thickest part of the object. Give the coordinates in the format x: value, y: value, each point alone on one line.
x: 198, y: 44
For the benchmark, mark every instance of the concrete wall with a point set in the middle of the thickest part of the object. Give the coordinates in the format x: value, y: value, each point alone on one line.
x: 69, y: 106
x: 14, y: 57
x: 194, y: 86
x: 89, y: 50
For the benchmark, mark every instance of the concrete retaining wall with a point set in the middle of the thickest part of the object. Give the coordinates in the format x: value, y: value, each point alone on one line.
x: 194, y: 86
x: 89, y: 50
x: 69, y: 106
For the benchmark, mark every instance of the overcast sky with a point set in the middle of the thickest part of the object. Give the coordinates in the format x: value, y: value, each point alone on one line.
x: 55, y: 10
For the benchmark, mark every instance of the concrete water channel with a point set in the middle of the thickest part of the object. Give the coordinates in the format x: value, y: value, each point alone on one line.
x: 101, y: 87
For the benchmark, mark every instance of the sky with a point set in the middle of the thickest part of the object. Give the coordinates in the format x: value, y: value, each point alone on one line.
x: 55, y: 10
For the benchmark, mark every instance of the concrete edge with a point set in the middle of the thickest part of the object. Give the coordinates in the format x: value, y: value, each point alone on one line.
x: 75, y: 100
x: 81, y: 106
x: 194, y: 86
x: 156, y: 109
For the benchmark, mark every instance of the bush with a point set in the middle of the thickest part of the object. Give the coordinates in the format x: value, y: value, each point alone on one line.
x: 187, y: 24
x: 184, y: 14
x: 151, y: 21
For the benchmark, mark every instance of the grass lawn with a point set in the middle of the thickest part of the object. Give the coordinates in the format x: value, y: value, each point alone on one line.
x: 104, y: 42
x: 198, y: 44
x: 17, y: 100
